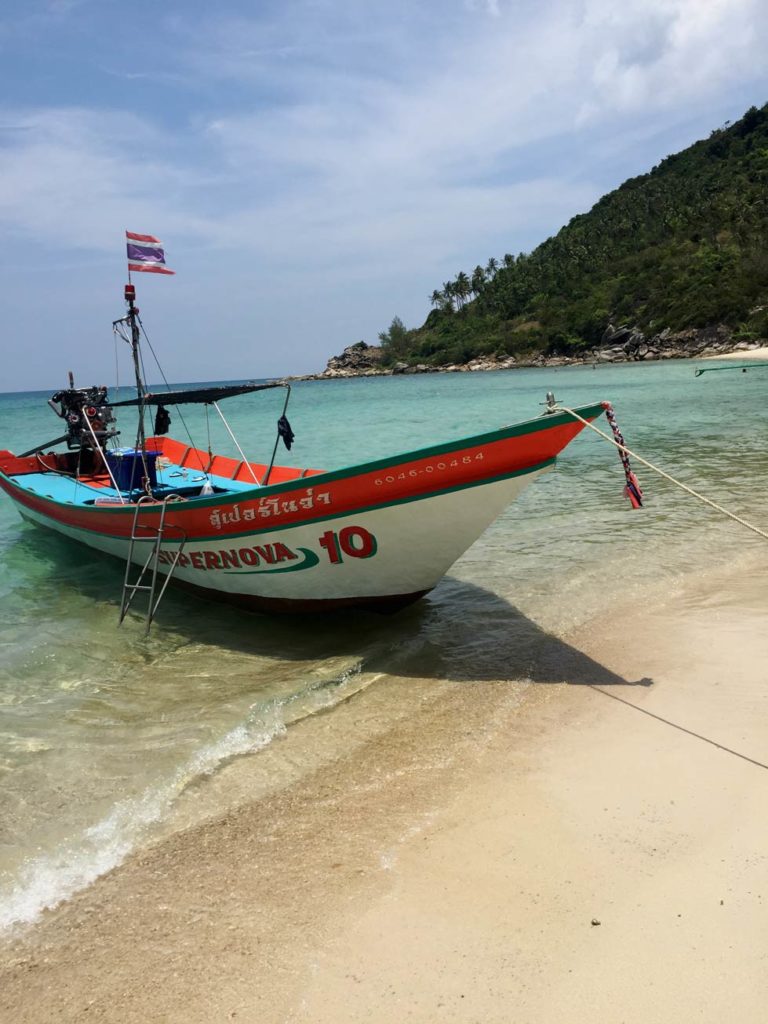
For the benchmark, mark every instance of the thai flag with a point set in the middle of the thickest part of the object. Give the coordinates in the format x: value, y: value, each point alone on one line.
x: 146, y: 254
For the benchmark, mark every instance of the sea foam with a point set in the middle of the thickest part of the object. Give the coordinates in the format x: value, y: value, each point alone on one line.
x: 45, y: 881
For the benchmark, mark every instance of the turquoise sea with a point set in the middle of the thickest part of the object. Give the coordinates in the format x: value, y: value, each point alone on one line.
x: 108, y: 739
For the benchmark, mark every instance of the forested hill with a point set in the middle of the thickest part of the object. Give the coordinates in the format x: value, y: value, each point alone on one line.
x: 684, y: 246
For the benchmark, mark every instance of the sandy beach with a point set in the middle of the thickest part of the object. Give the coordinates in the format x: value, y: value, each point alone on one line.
x: 593, y: 850
x: 748, y: 354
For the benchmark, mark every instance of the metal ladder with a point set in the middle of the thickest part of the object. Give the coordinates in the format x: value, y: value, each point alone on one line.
x: 153, y: 534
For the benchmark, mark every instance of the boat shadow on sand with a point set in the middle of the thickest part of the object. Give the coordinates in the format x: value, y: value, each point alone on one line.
x: 460, y: 633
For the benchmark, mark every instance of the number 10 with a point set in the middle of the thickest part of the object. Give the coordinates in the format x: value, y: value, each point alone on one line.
x: 354, y: 541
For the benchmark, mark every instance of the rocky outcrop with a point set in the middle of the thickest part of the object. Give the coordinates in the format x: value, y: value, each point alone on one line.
x: 358, y: 360
x: 363, y: 360
x: 618, y: 345
x: 628, y: 344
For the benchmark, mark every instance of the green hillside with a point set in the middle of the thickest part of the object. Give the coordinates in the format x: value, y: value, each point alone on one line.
x: 684, y: 246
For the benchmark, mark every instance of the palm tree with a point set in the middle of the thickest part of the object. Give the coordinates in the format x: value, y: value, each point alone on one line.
x: 509, y: 260
x: 492, y: 267
x: 478, y: 280
x: 449, y: 293
x: 437, y: 298
x: 461, y: 288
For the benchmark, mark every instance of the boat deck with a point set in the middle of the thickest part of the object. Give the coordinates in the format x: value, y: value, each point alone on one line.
x: 180, y: 470
x: 90, y: 490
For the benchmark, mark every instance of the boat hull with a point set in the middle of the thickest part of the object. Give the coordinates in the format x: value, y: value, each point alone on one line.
x: 385, y: 557
x: 380, y: 534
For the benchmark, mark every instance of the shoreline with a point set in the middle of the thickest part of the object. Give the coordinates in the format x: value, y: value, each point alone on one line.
x: 593, y: 359
x: 451, y: 867
x: 748, y: 354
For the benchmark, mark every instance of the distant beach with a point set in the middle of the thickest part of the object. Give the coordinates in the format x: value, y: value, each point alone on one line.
x: 749, y: 354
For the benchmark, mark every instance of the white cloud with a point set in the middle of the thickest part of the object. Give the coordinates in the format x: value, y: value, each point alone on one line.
x: 655, y: 54
x: 389, y: 146
x: 79, y: 177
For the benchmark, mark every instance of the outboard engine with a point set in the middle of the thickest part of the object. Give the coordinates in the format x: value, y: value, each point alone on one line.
x: 87, y: 413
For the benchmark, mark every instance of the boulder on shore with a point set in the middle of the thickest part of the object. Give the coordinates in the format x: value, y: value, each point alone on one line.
x: 354, y: 361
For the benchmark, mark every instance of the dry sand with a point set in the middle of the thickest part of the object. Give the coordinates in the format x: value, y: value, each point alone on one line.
x: 572, y: 858
x: 749, y: 353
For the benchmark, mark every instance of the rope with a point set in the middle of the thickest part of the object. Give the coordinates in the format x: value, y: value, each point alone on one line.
x: 117, y: 360
x: 177, y: 409
x: 672, y: 480
x: 741, y: 366
x: 50, y: 469
x: 208, y: 432
x: 676, y: 725
x: 265, y: 479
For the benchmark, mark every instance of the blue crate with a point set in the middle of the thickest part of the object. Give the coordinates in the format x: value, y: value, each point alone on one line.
x: 126, y: 467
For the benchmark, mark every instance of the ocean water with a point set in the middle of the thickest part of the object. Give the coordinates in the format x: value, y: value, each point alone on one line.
x: 108, y: 738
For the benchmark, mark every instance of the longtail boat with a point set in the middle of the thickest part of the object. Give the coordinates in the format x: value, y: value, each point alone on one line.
x: 379, y: 534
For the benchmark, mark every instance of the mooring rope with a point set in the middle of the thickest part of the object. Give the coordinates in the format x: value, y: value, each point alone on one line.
x: 656, y: 469
x: 676, y: 725
x: 741, y: 366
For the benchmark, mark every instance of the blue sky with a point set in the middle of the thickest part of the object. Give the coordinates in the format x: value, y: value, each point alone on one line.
x: 316, y: 167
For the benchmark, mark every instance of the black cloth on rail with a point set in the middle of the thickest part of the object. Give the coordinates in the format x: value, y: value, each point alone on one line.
x: 284, y: 430
x: 162, y: 420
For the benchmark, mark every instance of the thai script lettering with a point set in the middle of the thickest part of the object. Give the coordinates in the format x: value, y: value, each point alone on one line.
x: 219, y: 517
x: 268, y: 508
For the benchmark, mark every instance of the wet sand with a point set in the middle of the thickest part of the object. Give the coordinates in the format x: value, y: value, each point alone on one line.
x: 567, y: 852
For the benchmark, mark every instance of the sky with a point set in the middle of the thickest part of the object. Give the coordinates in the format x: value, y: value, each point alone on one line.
x: 316, y: 167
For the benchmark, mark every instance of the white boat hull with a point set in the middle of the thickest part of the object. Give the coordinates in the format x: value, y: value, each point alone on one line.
x: 413, y: 545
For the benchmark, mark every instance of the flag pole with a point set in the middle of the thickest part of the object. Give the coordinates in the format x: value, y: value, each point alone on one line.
x: 145, y: 252
x: 133, y: 314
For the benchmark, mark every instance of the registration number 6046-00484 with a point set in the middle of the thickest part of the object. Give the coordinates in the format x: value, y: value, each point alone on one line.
x: 354, y: 541
x: 432, y: 467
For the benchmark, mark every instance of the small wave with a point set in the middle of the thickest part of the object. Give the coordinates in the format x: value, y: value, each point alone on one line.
x: 47, y: 880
